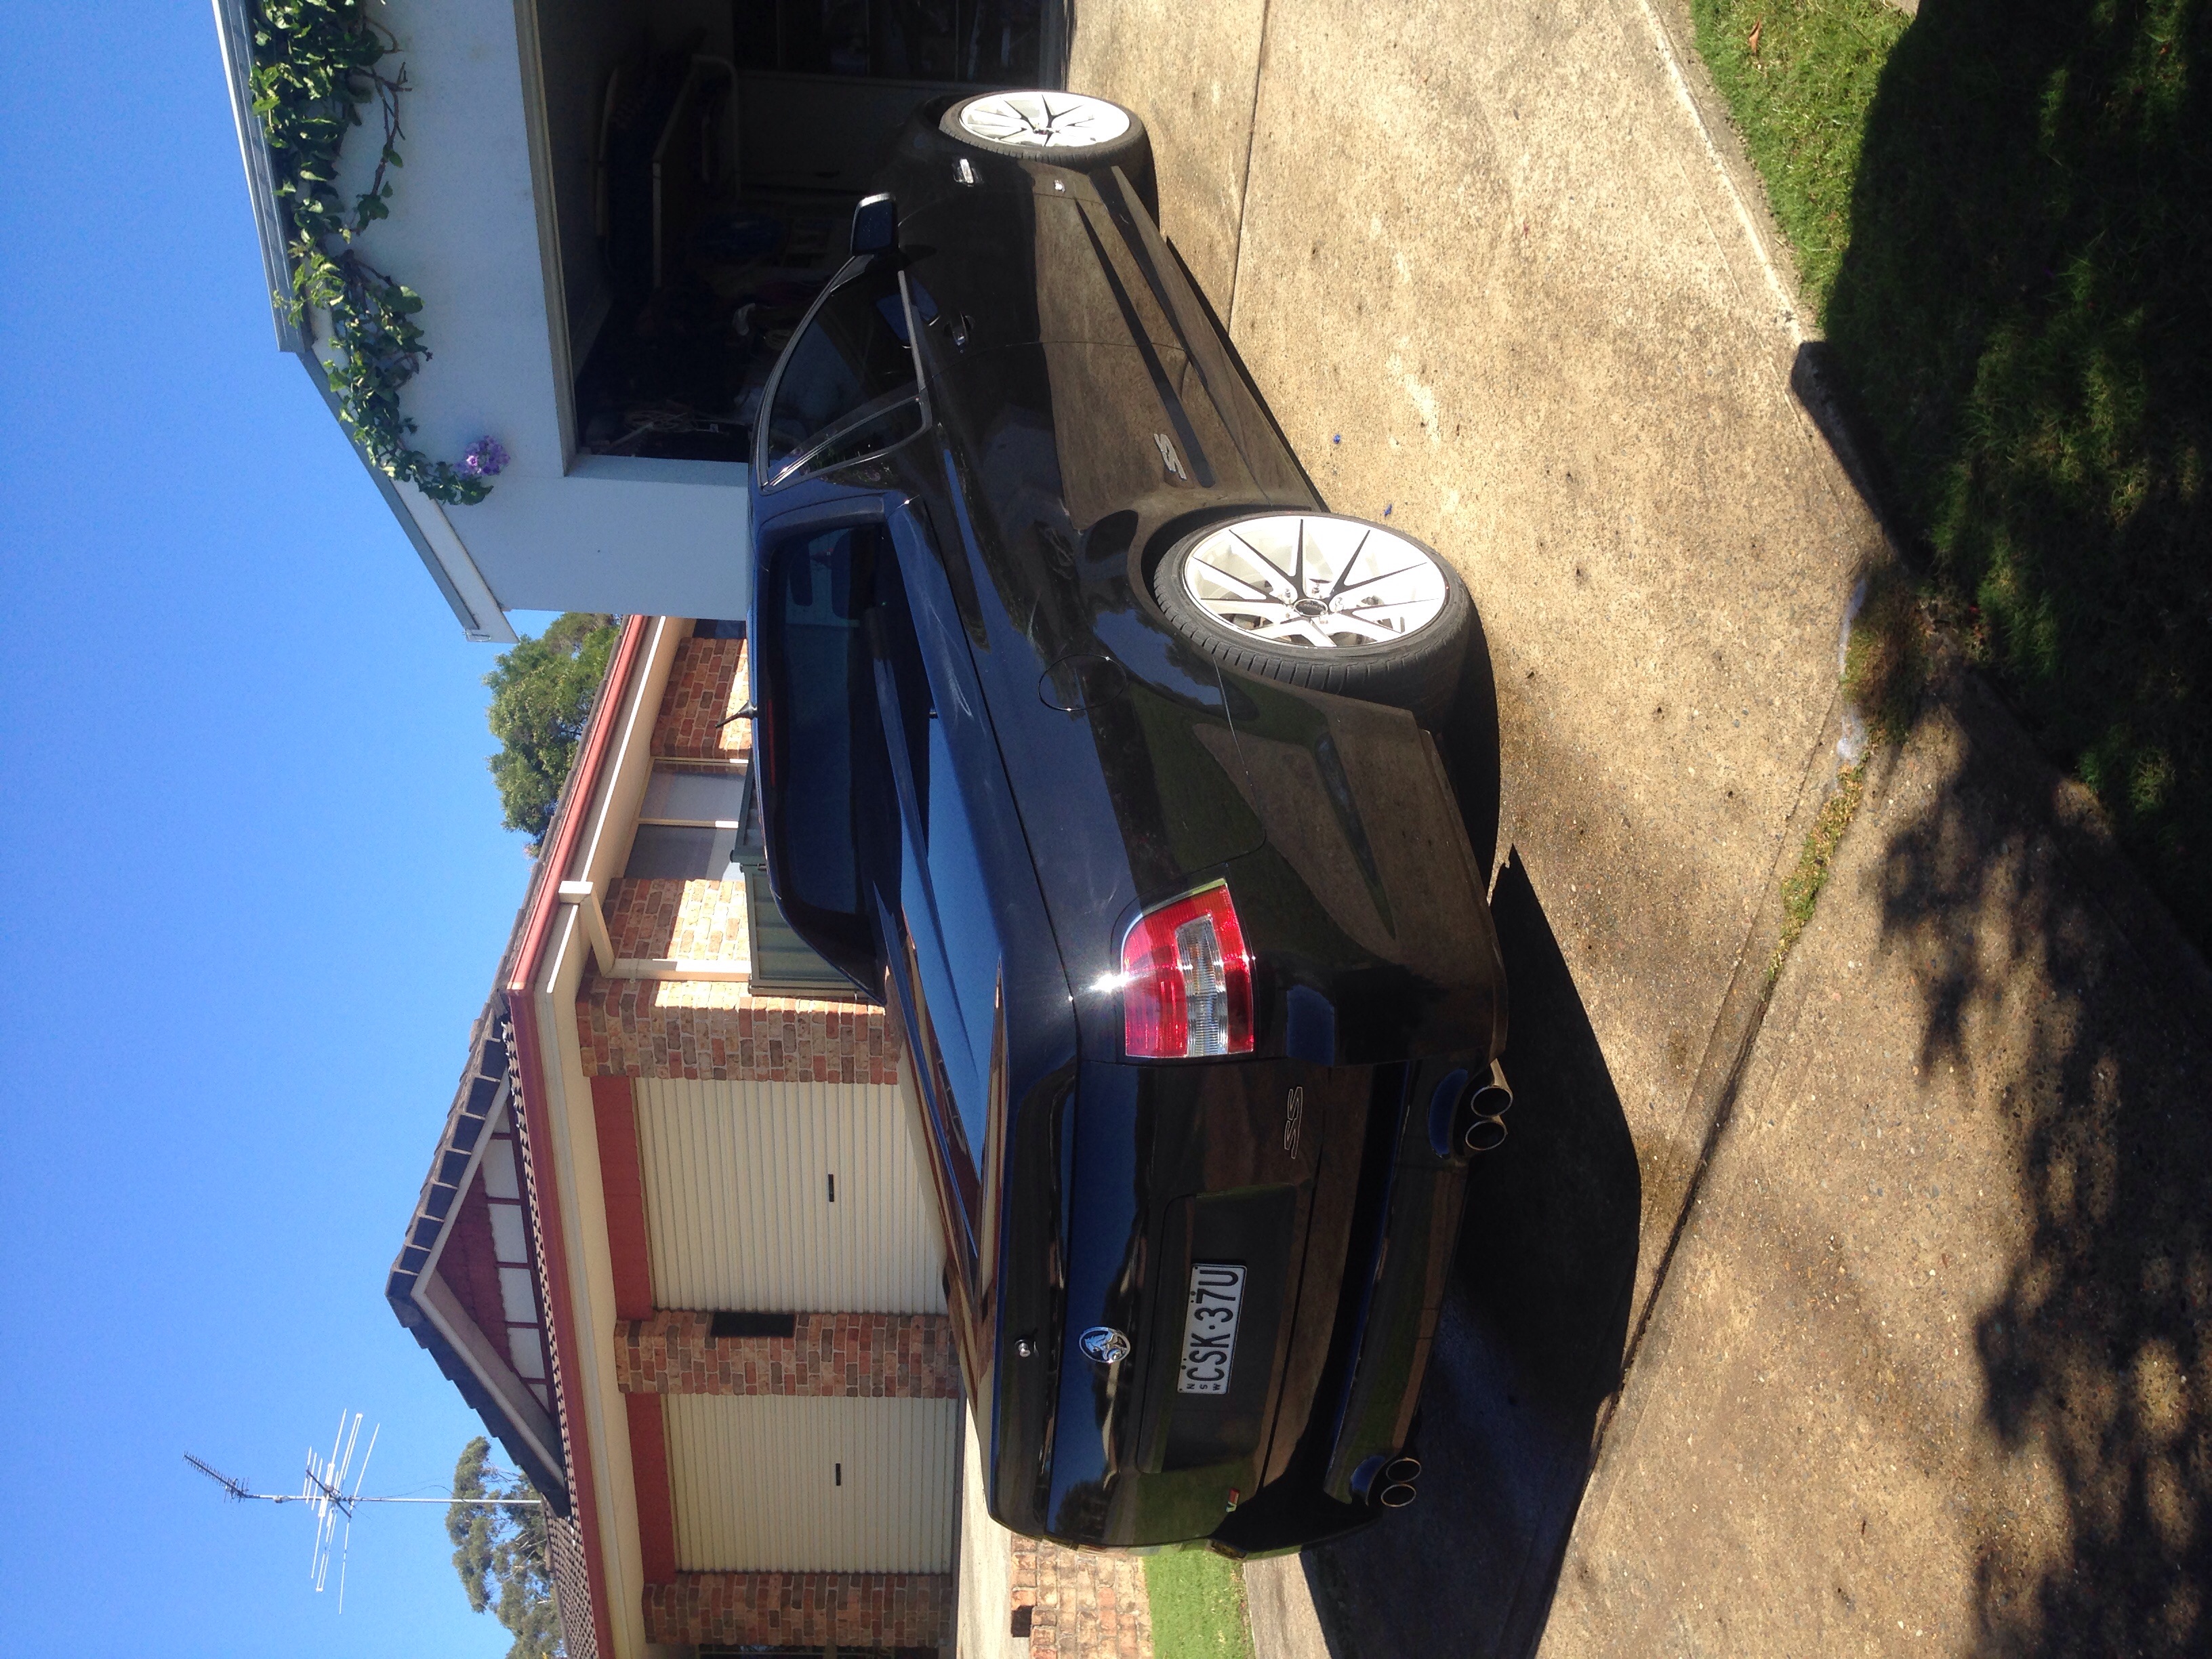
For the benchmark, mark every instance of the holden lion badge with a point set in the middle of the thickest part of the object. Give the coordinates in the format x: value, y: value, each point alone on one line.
x: 1105, y: 1345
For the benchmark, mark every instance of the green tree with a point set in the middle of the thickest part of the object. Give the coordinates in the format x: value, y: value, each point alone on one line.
x: 500, y: 1552
x: 541, y: 695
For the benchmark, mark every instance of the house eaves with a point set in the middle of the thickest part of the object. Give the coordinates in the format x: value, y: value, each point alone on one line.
x: 507, y: 1075
x: 465, y: 592
x: 525, y: 1426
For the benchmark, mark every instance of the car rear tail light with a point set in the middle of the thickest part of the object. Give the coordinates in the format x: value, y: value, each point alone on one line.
x: 1187, y: 979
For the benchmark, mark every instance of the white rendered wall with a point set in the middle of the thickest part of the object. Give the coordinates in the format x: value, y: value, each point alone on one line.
x: 606, y: 534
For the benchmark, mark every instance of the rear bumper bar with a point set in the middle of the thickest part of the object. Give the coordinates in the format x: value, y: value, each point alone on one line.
x: 1404, y: 1269
x: 1397, y: 1268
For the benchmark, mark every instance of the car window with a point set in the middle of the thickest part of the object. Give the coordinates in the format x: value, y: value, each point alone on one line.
x: 953, y: 961
x: 819, y: 733
x: 957, y: 881
x: 848, y: 387
x: 939, y: 1053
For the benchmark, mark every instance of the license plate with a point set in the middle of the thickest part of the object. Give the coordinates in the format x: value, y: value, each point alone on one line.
x: 1209, y: 1331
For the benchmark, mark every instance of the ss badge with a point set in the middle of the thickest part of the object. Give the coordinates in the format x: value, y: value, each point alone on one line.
x: 1294, y: 1116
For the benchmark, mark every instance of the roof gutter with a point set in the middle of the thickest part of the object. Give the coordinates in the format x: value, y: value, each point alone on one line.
x: 518, y: 986
x: 234, y: 27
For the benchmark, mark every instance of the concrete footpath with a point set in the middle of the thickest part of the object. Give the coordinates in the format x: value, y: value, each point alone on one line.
x: 1863, y: 1321
x: 1928, y: 1372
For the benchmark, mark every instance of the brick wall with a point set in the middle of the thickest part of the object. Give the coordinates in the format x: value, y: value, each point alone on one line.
x: 661, y: 1028
x: 863, y: 1356
x: 694, y: 920
x: 705, y: 686
x: 1082, y: 1602
x: 802, y: 1609
x: 719, y: 1030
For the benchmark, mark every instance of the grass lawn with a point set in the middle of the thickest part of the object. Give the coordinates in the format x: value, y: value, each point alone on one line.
x: 2003, y: 216
x: 1198, y: 1606
x: 1799, y: 79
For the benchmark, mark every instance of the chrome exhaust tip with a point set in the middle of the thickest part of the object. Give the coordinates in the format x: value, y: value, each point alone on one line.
x: 1484, y: 1114
x: 1387, y: 1480
x: 1484, y: 1134
x: 1467, y: 1117
x: 1493, y: 1097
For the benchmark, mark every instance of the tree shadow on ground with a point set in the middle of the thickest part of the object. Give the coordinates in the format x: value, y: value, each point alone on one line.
x: 2018, y: 377
x: 2052, y: 981
x: 2023, y: 321
x: 1528, y: 1348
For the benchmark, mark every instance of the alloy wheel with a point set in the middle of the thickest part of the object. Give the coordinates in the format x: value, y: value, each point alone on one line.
x: 1046, y: 120
x: 1299, y: 580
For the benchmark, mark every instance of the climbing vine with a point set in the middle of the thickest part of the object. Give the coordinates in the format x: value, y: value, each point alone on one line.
x: 317, y: 64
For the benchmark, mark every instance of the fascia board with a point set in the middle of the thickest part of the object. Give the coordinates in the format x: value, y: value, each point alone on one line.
x: 234, y: 27
x: 441, y: 549
x: 480, y: 614
x: 475, y: 1350
x: 620, y: 794
x: 611, y: 770
x: 594, y: 1386
x: 597, y: 1389
x: 546, y: 933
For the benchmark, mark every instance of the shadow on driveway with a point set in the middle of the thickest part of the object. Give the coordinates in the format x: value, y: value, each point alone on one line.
x: 1529, y: 1346
x: 2018, y: 359
x: 2047, y: 975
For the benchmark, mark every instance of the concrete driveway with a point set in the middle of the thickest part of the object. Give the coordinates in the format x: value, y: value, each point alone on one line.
x: 1482, y: 262
x: 1502, y: 276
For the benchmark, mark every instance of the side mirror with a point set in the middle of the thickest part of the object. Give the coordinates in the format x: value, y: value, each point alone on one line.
x: 875, y: 225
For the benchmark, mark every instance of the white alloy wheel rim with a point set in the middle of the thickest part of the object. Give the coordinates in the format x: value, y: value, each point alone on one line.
x: 1301, y: 580
x: 1047, y: 120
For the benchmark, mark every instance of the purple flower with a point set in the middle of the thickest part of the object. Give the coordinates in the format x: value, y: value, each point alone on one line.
x: 486, y: 458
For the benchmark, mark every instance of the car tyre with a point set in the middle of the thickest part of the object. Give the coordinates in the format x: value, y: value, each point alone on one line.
x: 1206, y: 585
x: 1129, y: 149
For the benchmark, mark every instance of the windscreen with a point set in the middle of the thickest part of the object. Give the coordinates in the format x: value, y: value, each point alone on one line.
x: 851, y: 368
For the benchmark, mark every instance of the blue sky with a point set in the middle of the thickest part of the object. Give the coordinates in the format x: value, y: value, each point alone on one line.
x: 256, y: 890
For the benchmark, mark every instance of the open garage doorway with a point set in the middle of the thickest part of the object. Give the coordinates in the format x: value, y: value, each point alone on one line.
x: 705, y: 158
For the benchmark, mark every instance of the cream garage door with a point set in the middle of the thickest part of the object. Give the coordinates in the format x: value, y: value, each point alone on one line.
x: 786, y: 1197
x: 777, y: 1484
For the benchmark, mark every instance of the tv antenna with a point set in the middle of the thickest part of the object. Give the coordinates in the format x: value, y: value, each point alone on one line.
x: 322, y: 1490
x: 325, y: 1494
